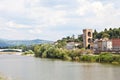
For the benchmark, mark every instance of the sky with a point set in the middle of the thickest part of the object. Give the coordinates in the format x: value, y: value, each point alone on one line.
x: 55, y: 19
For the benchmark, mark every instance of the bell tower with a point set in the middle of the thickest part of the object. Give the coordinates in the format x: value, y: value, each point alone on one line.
x: 87, y: 37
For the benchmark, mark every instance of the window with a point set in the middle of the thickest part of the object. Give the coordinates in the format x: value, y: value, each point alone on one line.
x: 89, y: 40
x: 89, y: 34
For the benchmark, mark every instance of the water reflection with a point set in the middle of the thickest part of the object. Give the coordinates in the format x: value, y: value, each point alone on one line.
x: 30, y: 68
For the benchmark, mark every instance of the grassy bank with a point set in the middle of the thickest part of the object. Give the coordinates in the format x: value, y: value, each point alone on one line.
x: 51, y: 51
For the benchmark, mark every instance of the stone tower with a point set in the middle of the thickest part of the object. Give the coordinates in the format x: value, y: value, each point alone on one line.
x: 87, y: 37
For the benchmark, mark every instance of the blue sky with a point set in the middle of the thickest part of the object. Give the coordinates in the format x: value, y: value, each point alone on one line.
x: 54, y: 19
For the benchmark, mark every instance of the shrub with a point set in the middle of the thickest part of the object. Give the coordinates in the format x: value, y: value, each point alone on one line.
x: 44, y: 54
x: 106, y: 57
x: 89, y: 58
x: 28, y: 52
x: 76, y: 58
x: 51, y: 51
x: 85, y: 58
x: 66, y: 57
x: 116, y: 58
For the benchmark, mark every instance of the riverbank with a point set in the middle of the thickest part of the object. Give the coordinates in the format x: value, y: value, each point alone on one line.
x: 91, y: 58
x: 79, y: 55
x: 17, y: 53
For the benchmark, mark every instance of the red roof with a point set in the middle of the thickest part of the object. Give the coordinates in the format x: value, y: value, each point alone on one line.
x: 115, y: 42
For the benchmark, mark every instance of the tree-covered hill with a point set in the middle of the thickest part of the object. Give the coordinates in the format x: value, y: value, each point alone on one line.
x: 110, y: 33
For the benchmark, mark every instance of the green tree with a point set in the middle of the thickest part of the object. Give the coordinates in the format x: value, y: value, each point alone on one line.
x: 105, y: 35
x: 110, y: 29
x: 80, y: 38
x: 95, y: 34
x: 105, y: 30
x: 61, y: 43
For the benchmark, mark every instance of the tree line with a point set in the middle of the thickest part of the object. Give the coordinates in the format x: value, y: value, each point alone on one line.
x: 109, y: 33
x: 79, y: 55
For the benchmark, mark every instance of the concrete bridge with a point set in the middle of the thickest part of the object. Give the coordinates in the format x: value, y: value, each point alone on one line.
x: 10, y: 50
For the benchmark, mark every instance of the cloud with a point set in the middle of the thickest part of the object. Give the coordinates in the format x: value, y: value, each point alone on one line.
x: 36, y: 30
x: 96, y: 8
x: 12, y: 6
x: 45, y: 15
x: 98, y: 13
x: 12, y: 24
x: 40, y: 18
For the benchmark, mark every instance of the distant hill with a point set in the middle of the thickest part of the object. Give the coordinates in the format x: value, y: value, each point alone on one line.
x: 6, y: 43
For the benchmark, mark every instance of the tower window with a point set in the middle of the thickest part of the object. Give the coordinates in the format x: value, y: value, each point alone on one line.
x: 89, y: 34
x: 89, y: 40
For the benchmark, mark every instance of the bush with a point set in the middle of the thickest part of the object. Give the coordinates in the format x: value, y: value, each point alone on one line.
x: 106, y: 57
x: 66, y: 57
x: 28, y: 52
x: 116, y: 58
x: 89, y: 58
x: 76, y: 58
x: 85, y: 58
x: 44, y: 54
x: 51, y: 51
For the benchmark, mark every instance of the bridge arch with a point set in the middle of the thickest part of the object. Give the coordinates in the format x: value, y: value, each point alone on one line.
x: 10, y: 50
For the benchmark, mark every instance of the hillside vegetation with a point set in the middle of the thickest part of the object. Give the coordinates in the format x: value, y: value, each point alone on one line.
x: 111, y: 33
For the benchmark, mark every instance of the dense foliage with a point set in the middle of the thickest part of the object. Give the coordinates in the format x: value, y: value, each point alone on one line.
x: 111, y: 33
x: 28, y: 52
x: 51, y: 51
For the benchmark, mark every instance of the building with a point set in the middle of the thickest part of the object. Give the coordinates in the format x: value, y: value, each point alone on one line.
x: 87, y: 37
x: 102, y: 45
x: 98, y: 45
x: 107, y: 45
x: 116, y: 44
x: 72, y: 45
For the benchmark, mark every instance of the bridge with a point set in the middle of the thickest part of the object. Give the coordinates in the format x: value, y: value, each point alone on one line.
x: 10, y: 50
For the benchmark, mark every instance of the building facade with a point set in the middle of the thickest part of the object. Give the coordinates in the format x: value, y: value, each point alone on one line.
x: 116, y: 44
x: 87, y: 37
x: 102, y: 45
x: 107, y: 45
x: 98, y: 45
x: 72, y: 45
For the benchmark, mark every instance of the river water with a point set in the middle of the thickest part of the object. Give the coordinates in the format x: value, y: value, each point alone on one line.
x: 30, y: 68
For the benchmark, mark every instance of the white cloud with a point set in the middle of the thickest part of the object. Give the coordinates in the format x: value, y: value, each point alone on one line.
x: 12, y: 6
x: 36, y: 30
x: 45, y: 15
x: 33, y: 2
x: 31, y: 9
x: 2, y: 24
x: 83, y: 8
x: 85, y: 12
x: 12, y: 24
x: 98, y: 13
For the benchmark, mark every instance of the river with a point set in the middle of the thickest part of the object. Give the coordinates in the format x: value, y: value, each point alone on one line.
x: 17, y: 67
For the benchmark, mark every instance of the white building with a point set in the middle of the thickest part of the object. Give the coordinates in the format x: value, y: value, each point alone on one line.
x: 72, y: 45
x: 102, y: 45
x: 95, y: 44
x: 107, y: 45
